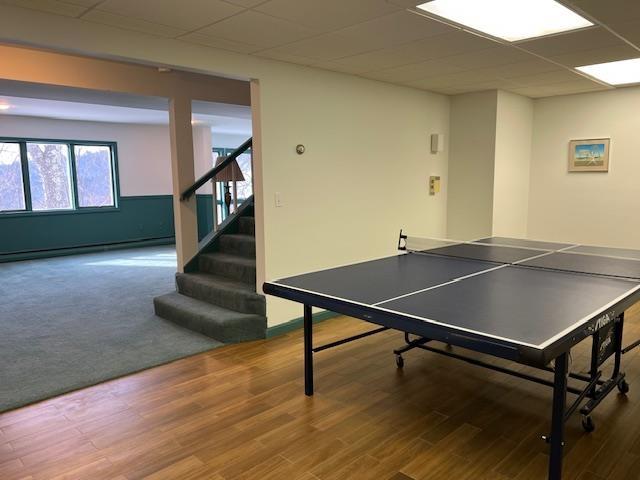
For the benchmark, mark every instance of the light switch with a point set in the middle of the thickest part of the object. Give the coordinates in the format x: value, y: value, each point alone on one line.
x: 278, y: 199
x: 434, y: 184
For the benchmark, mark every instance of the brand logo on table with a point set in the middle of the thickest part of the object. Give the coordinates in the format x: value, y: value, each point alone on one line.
x: 603, y: 321
x: 605, y: 344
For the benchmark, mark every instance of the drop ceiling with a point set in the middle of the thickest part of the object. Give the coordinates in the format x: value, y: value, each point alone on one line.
x: 379, y: 39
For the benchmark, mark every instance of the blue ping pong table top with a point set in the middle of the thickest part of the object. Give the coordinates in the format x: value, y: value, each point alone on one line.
x: 525, y: 294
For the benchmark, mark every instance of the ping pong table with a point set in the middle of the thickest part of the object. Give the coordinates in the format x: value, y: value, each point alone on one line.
x: 522, y: 300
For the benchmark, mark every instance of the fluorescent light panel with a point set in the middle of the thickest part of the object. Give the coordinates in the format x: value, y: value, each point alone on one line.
x: 623, y: 72
x: 511, y: 20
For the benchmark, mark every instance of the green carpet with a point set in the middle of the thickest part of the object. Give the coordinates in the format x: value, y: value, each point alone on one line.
x: 70, y: 322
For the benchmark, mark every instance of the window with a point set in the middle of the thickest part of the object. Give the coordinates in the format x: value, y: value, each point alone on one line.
x: 52, y: 175
x: 11, y: 181
x: 49, y: 176
x: 94, y: 175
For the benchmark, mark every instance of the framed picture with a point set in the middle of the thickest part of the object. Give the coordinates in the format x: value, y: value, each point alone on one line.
x: 589, y: 155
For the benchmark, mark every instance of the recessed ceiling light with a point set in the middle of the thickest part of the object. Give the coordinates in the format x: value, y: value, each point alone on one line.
x: 511, y: 20
x: 622, y: 72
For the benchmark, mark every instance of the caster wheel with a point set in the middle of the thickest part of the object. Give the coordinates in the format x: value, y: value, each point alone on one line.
x: 587, y: 424
x: 399, y: 361
x: 623, y: 387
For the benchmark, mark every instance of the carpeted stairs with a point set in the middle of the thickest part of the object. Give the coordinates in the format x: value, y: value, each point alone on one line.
x: 219, y: 297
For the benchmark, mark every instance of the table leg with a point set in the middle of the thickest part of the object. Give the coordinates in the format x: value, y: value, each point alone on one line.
x: 558, y: 416
x: 308, y: 351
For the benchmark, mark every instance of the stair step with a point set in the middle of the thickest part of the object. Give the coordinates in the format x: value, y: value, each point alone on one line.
x: 238, y: 244
x: 221, y: 291
x: 234, y: 267
x: 247, y: 225
x: 224, y: 325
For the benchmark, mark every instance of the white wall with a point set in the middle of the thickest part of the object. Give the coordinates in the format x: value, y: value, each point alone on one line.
x: 144, y: 164
x: 365, y: 172
x: 596, y: 208
x: 471, y: 165
x: 229, y: 140
x: 514, y: 130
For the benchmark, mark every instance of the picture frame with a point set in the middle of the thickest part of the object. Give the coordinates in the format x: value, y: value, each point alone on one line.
x: 591, y: 155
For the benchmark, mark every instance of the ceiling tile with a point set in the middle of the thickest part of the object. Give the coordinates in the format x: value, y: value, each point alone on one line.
x: 327, y: 15
x: 395, y: 29
x: 49, y: 6
x: 610, y: 12
x: 557, y: 89
x: 489, y: 57
x: 529, y: 67
x: 630, y: 31
x: 415, y: 71
x: 84, y: 3
x: 190, y: 15
x: 129, y: 23
x: 257, y: 29
x: 221, y: 43
x: 325, y: 47
x: 446, y: 45
x: 600, y: 55
x: 246, y: 3
x: 376, y: 60
x: 285, y: 57
x: 557, y: 76
x: 588, y: 39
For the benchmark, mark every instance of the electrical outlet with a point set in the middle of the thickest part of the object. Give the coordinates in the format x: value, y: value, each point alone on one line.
x: 278, y: 199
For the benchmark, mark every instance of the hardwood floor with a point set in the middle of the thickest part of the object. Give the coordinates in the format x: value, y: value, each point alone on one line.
x: 239, y: 412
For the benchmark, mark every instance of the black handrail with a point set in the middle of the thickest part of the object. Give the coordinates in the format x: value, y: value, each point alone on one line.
x: 217, y: 169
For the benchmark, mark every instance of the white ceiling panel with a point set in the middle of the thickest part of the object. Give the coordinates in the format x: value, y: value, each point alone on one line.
x: 257, y: 29
x: 529, y: 67
x: 587, y: 39
x: 328, y: 46
x: 415, y: 71
x: 129, y: 23
x: 489, y: 57
x: 49, y: 6
x: 221, y: 43
x: 186, y: 15
x: 556, y: 76
x: 327, y: 15
x: 376, y: 60
x: 446, y: 45
x: 600, y: 55
x: 395, y: 29
x: 610, y: 12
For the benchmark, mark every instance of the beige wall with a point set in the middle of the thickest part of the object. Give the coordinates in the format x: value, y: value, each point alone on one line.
x: 365, y: 172
x: 143, y: 150
x: 514, y: 129
x: 597, y: 208
x: 471, y: 165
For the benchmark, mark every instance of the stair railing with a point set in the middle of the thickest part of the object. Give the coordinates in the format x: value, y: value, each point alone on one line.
x: 188, y: 193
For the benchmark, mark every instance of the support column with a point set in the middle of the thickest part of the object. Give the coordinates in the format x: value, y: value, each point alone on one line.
x: 183, y: 176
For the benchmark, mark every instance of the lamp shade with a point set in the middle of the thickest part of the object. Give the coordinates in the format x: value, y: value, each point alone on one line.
x: 231, y: 173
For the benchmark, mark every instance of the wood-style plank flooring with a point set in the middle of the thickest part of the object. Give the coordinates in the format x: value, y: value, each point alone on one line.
x: 239, y: 412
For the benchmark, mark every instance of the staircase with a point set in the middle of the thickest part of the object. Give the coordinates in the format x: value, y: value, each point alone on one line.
x: 216, y: 296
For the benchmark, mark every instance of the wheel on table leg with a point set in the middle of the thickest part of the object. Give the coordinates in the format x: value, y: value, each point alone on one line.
x: 623, y: 386
x: 587, y: 423
x: 399, y: 361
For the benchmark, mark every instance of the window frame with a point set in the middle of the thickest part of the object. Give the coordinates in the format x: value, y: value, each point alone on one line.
x: 70, y: 144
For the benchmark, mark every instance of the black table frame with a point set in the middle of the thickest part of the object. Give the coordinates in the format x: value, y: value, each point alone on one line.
x: 607, y: 342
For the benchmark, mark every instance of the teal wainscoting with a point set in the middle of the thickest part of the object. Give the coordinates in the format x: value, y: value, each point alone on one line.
x: 138, y: 221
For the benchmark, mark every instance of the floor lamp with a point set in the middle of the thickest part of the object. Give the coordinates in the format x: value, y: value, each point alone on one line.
x: 231, y: 173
